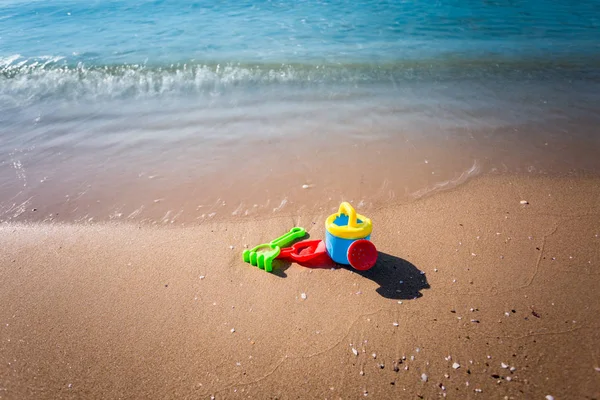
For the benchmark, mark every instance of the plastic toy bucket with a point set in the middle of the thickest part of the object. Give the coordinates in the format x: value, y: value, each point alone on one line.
x: 343, y: 229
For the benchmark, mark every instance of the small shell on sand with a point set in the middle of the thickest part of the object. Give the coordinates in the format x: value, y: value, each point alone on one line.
x: 524, y: 202
x: 503, y: 365
x: 549, y: 397
x: 456, y: 365
x: 232, y: 330
x: 303, y: 296
x: 424, y: 377
x: 355, y: 352
x: 396, y: 324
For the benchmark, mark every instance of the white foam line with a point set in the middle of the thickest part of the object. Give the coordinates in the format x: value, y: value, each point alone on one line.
x: 80, y: 195
x: 135, y: 213
x: 116, y: 214
x: 283, y: 203
x: 176, y: 216
x: 165, y: 219
x: 449, y: 183
x: 19, y: 209
x: 238, y: 209
x: 6, y: 61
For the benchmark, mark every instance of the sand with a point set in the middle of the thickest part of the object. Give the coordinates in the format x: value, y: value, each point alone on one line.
x: 475, y: 295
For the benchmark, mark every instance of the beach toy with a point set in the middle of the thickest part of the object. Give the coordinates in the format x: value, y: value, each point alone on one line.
x: 262, y: 256
x: 347, y: 238
x: 362, y: 254
x: 306, y: 251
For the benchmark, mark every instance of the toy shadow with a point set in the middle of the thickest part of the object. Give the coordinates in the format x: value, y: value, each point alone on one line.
x: 396, y: 277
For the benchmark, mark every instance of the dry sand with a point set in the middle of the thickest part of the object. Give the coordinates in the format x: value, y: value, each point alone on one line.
x: 492, y: 299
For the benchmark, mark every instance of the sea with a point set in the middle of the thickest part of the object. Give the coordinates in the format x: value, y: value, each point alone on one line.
x: 182, y: 112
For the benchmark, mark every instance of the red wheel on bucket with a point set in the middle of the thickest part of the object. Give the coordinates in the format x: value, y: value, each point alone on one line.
x: 362, y: 254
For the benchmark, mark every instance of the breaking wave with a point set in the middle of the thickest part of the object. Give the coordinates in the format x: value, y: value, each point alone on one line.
x: 27, y: 80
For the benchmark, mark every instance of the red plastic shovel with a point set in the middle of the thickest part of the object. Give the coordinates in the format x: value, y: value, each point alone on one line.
x: 307, y: 251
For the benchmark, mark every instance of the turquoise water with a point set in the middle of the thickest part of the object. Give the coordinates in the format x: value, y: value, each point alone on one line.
x: 119, y: 48
x: 105, y: 32
x: 98, y: 92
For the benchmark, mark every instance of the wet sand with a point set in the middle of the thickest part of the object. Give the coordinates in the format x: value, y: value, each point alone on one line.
x: 492, y: 299
x: 192, y: 182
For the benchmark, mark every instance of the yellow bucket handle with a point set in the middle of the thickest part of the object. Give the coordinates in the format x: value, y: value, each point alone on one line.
x: 346, y: 208
x: 353, y: 229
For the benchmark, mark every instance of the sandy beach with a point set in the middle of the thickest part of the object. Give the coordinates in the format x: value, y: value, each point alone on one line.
x: 144, y: 145
x: 488, y: 290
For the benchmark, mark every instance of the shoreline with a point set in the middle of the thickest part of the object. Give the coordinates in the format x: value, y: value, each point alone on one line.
x: 107, y: 310
x: 191, y: 203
